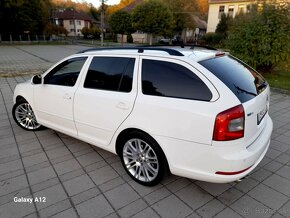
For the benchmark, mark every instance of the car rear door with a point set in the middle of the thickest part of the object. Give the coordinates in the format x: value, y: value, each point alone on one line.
x: 105, y: 97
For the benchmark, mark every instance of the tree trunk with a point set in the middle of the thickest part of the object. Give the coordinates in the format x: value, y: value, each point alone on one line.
x: 150, y: 38
x: 122, y: 39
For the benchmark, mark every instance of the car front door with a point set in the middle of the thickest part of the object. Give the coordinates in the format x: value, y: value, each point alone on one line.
x: 54, y: 98
x: 105, y: 98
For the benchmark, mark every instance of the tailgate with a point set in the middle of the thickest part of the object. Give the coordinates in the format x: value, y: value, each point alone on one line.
x: 256, y: 110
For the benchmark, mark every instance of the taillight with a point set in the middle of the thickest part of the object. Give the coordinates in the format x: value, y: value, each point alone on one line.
x: 229, y: 124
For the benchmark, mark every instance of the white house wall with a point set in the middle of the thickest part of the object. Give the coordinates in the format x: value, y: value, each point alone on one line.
x: 213, y: 13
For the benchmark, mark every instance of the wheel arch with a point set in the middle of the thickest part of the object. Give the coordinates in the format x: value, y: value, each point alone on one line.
x: 19, y: 97
x: 125, y: 132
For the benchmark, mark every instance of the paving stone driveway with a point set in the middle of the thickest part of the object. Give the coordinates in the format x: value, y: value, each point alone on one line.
x: 76, y: 179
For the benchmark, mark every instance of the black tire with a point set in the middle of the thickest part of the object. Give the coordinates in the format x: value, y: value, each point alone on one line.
x: 147, y: 166
x: 24, y: 116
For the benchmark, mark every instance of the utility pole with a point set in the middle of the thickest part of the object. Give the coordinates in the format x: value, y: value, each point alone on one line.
x: 102, y: 21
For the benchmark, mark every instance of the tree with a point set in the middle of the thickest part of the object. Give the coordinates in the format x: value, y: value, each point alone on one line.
x: 17, y: 16
x: 152, y: 17
x: 182, y: 11
x: 120, y: 22
x: 223, y: 26
x: 262, y: 36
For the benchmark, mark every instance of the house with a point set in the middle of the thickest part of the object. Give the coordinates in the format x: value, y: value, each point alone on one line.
x: 73, y: 21
x: 230, y: 7
x: 192, y: 35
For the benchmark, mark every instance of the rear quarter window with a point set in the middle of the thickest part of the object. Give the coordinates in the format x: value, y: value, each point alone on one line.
x: 242, y: 80
x: 167, y: 79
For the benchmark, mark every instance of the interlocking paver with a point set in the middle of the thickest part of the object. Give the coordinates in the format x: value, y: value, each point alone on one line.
x: 52, y: 195
x: 211, y: 208
x: 67, y: 213
x: 121, y: 196
x: 89, y: 158
x: 55, y: 208
x: 284, y: 172
x: 78, y: 185
x: 10, y: 166
x: 41, y: 175
x: 230, y: 196
x: 86, y: 195
x: 13, y: 209
x: 283, y: 158
x: 273, y: 166
x: 13, y: 184
x: 132, y: 208
x: 103, y: 174
x: 285, y: 210
x: 111, y: 184
x: 249, y: 207
x: 279, y: 184
x: 34, y: 159
x: 95, y: 207
x: 194, y: 196
x: 246, y: 185
x: 80, y: 180
x: 268, y: 196
x: 66, y: 166
x: 148, y: 212
x: 157, y: 195
x: 172, y: 207
x: 214, y: 189
x: 228, y: 213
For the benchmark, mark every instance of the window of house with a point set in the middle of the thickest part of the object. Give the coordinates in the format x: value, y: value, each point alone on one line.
x: 66, y: 73
x: 111, y: 74
x: 72, y: 30
x: 167, y: 79
x: 241, y: 9
x: 79, y: 22
x: 221, y: 10
x: 231, y: 10
x: 71, y: 22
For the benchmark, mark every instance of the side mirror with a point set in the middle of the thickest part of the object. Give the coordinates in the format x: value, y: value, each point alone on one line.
x: 36, y: 79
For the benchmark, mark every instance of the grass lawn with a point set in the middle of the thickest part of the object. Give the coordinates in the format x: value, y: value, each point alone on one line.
x: 280, y: 77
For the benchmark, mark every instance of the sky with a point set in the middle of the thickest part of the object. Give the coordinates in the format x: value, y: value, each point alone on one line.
x: 97, y: 3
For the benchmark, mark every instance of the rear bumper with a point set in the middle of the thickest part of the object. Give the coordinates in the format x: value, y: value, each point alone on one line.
x: 201, y: 162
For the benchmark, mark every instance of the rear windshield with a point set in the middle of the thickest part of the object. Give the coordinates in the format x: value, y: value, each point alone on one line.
x: 242, y: 80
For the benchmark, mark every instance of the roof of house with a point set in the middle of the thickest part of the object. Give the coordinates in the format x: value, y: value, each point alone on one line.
x: 201, y: 24
x: 228, y: 1
x: 71, y: 14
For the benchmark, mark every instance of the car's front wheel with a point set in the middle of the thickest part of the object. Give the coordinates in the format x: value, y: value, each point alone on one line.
x: 24, y: 116
x: 143, y: 159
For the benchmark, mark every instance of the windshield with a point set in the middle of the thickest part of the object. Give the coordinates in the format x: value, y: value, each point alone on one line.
x: 241, y: 79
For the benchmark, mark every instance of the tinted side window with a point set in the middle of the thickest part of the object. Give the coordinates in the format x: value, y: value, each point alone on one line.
x: 110, y: 73
x: 243, y: 81
x: 168, y: 79
x: 66, y: 73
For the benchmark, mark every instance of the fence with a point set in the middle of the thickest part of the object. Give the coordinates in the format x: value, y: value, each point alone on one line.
x: 27, y: 38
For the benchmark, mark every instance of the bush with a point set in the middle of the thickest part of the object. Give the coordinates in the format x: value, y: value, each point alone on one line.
x: 262, y: 37
x: 213, y: 39
x: 129, y: 38
x: 91, y: 33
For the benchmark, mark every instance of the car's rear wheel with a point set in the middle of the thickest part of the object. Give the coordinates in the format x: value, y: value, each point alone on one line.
x: 143, y: 159
x: 24, y: 116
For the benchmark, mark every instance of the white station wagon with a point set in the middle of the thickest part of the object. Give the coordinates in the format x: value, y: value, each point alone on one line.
x: 201, y: 114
